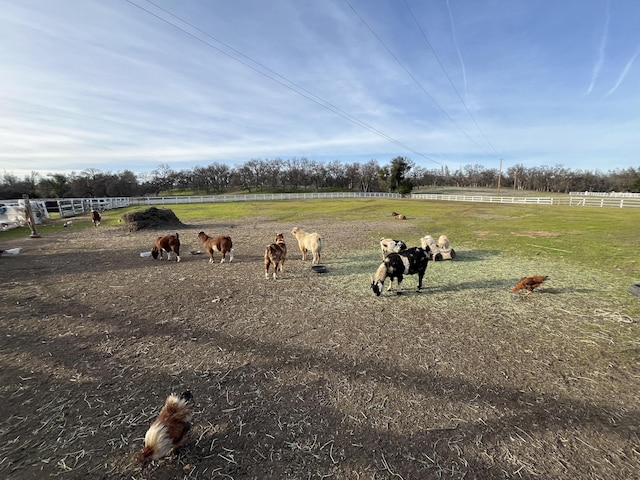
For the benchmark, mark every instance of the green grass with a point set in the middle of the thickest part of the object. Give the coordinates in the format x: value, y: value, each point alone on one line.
x: 604, y: 239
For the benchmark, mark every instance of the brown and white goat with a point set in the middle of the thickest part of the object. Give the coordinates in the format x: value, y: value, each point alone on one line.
x: 222, y: 244
x: 274, y: 255
x: 308, y: 242
x: 398, y: 216
x: 389, y: 245
x: 96, y: 217
x: 168, y: 244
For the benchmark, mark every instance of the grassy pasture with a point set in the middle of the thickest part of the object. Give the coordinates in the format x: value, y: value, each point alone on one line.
x: 605, y: 239
x: 602, y: 240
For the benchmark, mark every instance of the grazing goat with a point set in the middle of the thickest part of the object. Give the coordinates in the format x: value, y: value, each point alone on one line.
x: 168, y: 244
x: 443, y: 242
x: 428, y: 242
x: 389, y: 245
x: 441, y: 250
x: 398, y: 216
x: 96, y: 217
x: 308, y: 242
x: 275, y: 254
x: 407, y: 262
x: 222, y: 244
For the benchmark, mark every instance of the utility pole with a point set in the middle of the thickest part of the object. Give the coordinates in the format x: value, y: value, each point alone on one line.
x: 29, y: 214
x: 499, y: 176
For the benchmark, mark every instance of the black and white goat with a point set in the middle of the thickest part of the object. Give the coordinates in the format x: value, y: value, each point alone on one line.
x: 411, y: 261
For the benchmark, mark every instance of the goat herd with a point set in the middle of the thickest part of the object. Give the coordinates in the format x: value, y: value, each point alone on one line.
x: 397, y: 259
x: 274, y: 254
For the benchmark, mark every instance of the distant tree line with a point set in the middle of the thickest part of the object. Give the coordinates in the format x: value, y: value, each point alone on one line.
x: 401, y: 175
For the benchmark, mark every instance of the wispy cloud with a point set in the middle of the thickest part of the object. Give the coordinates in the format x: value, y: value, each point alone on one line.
x: 106, y: 85
x: 601, y: 51
x: 624, y: 72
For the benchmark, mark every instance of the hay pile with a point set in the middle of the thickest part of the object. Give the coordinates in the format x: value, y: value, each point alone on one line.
x: 152, y: 218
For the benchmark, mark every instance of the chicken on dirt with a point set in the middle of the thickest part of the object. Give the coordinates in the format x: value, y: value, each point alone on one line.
x: 169, y: 430
x: 529, y: 284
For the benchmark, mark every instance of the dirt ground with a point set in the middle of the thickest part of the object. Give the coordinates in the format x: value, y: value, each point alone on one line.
x: 307, y: 377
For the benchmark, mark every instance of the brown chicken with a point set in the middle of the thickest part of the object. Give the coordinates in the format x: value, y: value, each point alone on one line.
x: 529, y: 283
x: 169, y: 430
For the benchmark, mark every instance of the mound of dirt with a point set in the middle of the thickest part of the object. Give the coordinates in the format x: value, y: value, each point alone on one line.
x: 151, y: 218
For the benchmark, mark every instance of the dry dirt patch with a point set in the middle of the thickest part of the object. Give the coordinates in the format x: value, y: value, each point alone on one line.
x: 310, y: 376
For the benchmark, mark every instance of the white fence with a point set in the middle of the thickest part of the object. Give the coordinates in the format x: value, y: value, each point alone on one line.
x: 583, y: 201
x: 70, y: 207
x: 631, y: 200
x: 13, y: 213
x: 255, y: 197
x: 607, y: 194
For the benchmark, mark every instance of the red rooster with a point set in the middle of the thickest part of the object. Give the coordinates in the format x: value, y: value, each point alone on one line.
x: 169, y: 430
x: 529, y: 283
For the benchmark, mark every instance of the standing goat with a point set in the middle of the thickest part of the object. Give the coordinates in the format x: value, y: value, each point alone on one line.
x: 275, y: 255
x: 222, y: 244
x: 168, y: 244
x: 96, y: 217
x: 407, y: 262
x: 308, y: 242
x: 389, y: 245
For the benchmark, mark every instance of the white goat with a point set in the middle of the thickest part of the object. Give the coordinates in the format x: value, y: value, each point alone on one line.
x: 308, y: 242
x: 429, y: 242
x: 443, y: 242
x: 389, y: 245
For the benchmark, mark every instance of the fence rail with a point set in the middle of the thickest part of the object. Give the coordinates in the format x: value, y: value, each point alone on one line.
x: 255, y: 197
x: 69, y: 207
x: 583, y: 201
x: 606, y: 194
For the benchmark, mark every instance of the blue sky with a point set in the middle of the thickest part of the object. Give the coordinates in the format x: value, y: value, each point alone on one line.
x: 132, y: 84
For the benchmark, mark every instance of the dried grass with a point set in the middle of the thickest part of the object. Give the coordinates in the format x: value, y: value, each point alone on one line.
x: 312, y: 376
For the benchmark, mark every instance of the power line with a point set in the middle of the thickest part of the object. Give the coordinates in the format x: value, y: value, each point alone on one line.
x: 426, y: 38
x: 415, y: 80
x: 271, y: 74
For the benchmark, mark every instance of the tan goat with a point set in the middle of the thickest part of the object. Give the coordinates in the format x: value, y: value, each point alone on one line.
x: 308, y: 242
x: 443, y: 242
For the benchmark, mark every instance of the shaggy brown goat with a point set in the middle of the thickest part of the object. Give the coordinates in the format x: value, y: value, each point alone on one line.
x: 222, y: 244
x: 168, y: 244
x: 275, y: 255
